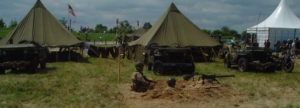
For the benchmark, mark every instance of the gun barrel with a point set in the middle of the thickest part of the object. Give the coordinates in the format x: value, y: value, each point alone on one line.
x: 225, y: 76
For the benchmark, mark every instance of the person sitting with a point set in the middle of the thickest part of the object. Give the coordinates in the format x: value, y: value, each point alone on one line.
x: 139, y: 82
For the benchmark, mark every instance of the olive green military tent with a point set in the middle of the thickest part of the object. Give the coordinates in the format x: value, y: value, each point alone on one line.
x: 175, y: 30
x: 40, y: 26
x: 137, y: 34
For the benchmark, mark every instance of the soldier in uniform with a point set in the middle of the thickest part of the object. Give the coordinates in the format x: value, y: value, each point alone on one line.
x: 139, y: 82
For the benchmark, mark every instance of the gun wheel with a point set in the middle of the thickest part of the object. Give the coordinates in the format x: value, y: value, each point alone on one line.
x: 243, y: 64
x: 288, y: 66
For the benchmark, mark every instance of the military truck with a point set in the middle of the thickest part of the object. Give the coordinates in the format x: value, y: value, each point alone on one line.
x: 166, y: 60
x: 25, y: 56
x: 254, y: 57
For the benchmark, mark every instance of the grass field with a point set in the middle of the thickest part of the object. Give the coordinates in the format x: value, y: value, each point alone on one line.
x: 4, y: 31
x: 94, y: 84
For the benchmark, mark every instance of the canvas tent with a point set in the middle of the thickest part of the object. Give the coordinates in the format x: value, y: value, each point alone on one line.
x: 137, y: 34
x: 40, y: 26
x: 175, y: 30
x: 282, y: 25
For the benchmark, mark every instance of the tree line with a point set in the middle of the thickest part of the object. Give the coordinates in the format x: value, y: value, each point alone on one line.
x: 125, y: 27
x: 226, y: 32
x: 13, y: 23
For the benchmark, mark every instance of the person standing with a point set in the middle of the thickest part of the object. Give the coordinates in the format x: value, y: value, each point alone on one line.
x: 293, y: 49
x: 277, y: 47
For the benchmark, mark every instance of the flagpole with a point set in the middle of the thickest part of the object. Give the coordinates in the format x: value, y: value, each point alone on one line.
x: 70, y: 26
x: 119, y: 58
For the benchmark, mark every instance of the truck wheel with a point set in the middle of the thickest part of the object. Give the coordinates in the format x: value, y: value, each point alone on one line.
x: 149, y: 67
x: 243, y: 64
x: 270, y: 69
x: 43, y: 65
x: 288, y: 66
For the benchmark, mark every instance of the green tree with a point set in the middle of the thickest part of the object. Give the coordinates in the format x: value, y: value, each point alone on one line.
x: 2, y: 24
x: 13, y: 23
x: 63, y: 21
x: 147, y: 25
x: 217, y: 32
x: 206, y: 31
x: 225, y: 29
x: 125, y: 27
x: 100, y: 28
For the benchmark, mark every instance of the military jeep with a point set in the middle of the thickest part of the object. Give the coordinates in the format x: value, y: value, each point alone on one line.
x: 166, y: 61
x: 25, y: 56
x: 253, y: 57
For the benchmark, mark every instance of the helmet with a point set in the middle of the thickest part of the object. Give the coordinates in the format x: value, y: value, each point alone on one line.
x: 139, y: 65
x: 171, y: 82
x: 187, y: 77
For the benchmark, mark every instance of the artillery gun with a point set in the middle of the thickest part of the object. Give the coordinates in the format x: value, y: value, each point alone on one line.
x: 254, y: 57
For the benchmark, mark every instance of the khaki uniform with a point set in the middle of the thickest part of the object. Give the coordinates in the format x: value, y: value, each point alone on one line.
x: 139, y: 83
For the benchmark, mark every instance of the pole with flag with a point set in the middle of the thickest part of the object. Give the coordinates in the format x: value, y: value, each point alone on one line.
x: 119, y: 58
x: 71, y: 11
x: 138, y: 23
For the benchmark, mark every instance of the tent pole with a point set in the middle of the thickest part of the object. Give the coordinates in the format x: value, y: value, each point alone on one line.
x: 203, y: 54
x: 295, y: 34
x: 69, y: 53
x: 56, y: 56
x: 119, y: 62
x: 213, y: 50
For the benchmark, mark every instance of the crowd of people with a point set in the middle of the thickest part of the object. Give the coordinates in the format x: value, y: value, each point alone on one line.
x: 289, y: 46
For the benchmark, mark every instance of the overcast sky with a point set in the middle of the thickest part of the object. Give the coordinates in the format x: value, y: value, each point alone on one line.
x: 208, y: 14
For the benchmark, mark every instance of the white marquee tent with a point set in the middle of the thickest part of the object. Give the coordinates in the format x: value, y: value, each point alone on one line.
x: 281, y: 25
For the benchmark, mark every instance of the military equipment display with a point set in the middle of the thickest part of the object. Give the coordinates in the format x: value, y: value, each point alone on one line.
x: 23, y: 56
x: 254, y: 57
x: 165, y: 60
x: 213, y: 78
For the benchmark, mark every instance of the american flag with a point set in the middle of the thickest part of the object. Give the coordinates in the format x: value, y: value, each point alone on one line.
x: 71, y: 10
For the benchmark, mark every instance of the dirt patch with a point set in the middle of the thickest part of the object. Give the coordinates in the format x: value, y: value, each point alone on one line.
x: 185, y: 92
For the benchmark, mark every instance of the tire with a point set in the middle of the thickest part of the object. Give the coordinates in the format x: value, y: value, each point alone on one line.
x: 43, y: 65
x: 243, y: 64
x: 288, y: 66
x: 270, y: 69
x: 33, y: 68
